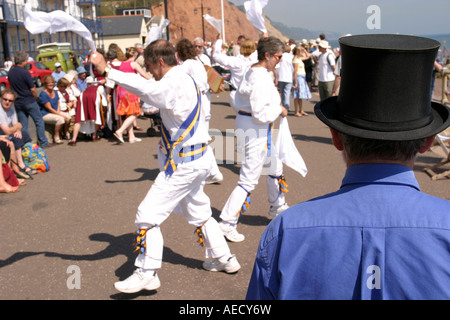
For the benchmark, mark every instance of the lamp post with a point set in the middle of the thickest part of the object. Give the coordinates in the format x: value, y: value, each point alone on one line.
x: 223, y: 22
x: 203, y: 19
x: 166, y: 13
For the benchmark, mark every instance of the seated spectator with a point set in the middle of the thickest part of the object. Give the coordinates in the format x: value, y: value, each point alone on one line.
x: 11, y: 128
x: 8, y: 181
x: 88, y: 115
x: 58, y: 73
x: 67, y: 103
x: 72, y: 76
x: 48, y: 101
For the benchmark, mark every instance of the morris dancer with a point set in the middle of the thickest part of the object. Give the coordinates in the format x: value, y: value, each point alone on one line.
x: 187, y: 57
x: 184, y: 168
x: 259, y: 104
x: 238, y: 65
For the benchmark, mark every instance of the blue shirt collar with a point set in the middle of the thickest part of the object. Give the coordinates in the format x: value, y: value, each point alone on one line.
x: 380, y: 173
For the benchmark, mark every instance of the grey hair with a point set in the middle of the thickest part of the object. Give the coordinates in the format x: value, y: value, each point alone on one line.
x: 270, y: 45
x: 197, y: 39
x: 20, y: 57
x: 359, y: 149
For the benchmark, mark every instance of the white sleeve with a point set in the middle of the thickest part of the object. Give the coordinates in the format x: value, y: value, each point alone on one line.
x: 157, y: 93
x: 231, y: 62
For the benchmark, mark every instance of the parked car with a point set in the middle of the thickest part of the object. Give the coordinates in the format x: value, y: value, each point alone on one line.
x: 38, y: 71
x: 4, y: 82
x: 50, y: 53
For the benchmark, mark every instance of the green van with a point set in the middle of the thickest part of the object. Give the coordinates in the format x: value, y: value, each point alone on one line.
x: 50, y: 53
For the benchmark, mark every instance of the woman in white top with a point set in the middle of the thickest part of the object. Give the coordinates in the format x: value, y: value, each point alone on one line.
x: 187, y: 61
x: 259, y: 104
x: 238, y: 65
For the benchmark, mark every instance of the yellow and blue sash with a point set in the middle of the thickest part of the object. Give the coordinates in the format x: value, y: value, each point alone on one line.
x: 269, y: 132
x: 176, y: 154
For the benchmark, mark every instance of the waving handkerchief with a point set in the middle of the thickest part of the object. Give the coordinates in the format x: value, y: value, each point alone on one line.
x: 155, y: 32
x: 216, y: 23
x: 254, y: 13
x: 286, y: 150
x: 56, y: 21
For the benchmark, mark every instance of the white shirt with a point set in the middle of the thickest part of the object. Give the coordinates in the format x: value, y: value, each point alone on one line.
x: 8, y: 65
x: 204, y: 59
x: 325, y: 71
x: 258, y: 95
x: 7, y: 118
x: 196, y: 70
x: 175, y: 95
x: 285, y: 68
x: 63, y: 102
x: 238, y: 65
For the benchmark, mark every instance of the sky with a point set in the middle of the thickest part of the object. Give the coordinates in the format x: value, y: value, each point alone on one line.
x: 417, y: 17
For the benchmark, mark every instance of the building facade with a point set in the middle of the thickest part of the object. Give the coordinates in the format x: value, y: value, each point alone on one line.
x: 14, y: 36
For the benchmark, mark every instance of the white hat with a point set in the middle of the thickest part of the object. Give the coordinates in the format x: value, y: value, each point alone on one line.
x: 57, y: 65
x: 89, y: 79
x: 69, y: 76
x: 324, y: 44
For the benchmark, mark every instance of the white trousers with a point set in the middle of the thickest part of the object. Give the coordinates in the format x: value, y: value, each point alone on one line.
x: 185, y: 190
x: 253, y: 141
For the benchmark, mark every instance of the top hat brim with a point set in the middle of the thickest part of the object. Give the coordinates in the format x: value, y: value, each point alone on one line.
x: 326, y: 111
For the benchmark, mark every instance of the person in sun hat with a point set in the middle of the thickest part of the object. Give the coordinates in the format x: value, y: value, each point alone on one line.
x: 58, y: 73
x: 81, y: 81
x: 378, y: 236
x: 327, y: 65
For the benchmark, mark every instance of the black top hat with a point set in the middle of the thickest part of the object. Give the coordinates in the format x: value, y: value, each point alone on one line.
x: 385, y: 89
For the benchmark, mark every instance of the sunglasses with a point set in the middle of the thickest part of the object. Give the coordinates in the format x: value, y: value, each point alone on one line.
x: 8, y: 100
x: 278, y: 56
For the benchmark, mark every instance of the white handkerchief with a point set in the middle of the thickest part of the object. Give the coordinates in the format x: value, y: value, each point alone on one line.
x: 287, y: 151
x: 254, y: 13
x: 156, y: 32
x: 56, y: 21
x: 216, y: 23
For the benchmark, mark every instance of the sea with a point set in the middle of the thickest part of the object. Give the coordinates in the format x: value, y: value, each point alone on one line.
x: 444, y: 39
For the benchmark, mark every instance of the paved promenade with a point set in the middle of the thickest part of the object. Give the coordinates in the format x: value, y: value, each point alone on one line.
x: 78, y: 218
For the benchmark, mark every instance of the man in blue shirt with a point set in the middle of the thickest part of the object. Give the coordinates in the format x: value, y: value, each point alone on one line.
x: 379, y: 236
x: 22, y: 83
x: 58, y: 73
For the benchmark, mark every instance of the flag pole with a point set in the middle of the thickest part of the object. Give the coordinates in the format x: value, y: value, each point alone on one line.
x: 223, y: 23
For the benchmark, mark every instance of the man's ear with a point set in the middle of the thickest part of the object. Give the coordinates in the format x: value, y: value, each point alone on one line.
x: 427, y: 145
x: 337, y: 141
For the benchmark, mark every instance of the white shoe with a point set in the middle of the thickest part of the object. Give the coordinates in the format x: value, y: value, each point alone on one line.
x: 138, y: 281
x: 135, y: 140
x: 230, y: 266
x: 214, y: 179
x: 230, y: 232
x: 274, y: 211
